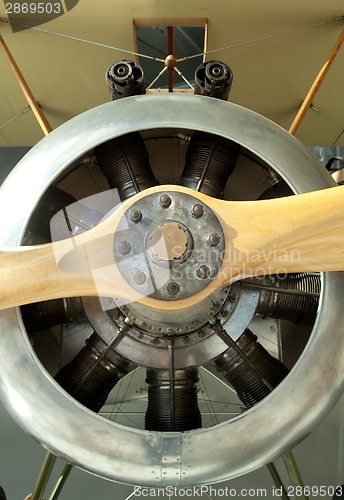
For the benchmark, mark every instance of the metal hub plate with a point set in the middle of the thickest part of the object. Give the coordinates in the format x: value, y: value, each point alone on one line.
x: 188, y: 255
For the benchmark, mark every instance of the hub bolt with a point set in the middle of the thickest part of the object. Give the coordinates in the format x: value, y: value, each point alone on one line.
x: 213, y: 240
x: 173, y: 288
x: 203, y: 272
x: 165, y: 201
x: 197, y: 211
x: 139, y: 277
x: 135, y: 215
x: 124, y: 247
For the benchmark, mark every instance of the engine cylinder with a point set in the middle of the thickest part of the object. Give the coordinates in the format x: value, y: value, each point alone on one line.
x: 125, y: 163
x: 58, y: 215
x: 186, y: 411
x: 43, y: 315
x: 91, y: 387
x: 249, y: 383
x: 278, y: 190
x: 300, y: 309
x: 210, y: 160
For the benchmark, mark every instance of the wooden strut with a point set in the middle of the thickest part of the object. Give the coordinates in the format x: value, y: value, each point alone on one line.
x: 43, y: 122
x: 316, y: 85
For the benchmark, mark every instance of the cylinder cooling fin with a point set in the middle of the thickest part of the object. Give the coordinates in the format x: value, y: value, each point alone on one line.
x: 236, y: 332
x: 209, y: 162
x: 300, y: 307
x: 185, y: 414
x: 250, y: 369
x: 124, y: 162
x: 90, y: 378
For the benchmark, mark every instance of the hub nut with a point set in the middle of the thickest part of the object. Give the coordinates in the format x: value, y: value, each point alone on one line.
x: 124, y: 247
x: 165, y: 201
x: 197, y: 210
x: 135, y: 215
x: 213, y: 240
x: 203, y: 272
x: 139, y: 277
x: 173, y: 288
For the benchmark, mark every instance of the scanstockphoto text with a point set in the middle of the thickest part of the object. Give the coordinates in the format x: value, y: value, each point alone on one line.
x: 207, y: 491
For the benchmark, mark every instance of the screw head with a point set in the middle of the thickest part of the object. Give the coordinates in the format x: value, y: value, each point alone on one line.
x: 165, y: 200
x: 173, y: 288
x: 139, y: 277
x: 135, y: 215
x: 197, y: 210
x: 124, y: 247
x: 203, y: 272
x: 213, y: 240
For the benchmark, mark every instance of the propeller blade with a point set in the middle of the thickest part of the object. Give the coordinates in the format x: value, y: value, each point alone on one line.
x: 300, y: 233
x: 75, y: 267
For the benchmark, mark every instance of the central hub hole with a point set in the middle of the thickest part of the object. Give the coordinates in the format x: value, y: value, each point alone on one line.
x: 168, y: 242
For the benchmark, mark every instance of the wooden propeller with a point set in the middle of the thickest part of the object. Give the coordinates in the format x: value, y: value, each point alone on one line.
x: 300, y: 233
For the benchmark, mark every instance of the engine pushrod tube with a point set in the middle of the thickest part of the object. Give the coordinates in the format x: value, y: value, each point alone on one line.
x: 231, y: 343
x: 287, y: 291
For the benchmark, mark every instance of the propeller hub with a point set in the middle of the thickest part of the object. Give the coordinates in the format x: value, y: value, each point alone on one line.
x: 169, y: 241
x: 171, y: 252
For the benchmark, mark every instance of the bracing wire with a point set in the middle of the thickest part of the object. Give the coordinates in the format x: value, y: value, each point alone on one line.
x: 86, y: 41
x: 327, y: 117
x: 266, y: 37
x: 14, y: 117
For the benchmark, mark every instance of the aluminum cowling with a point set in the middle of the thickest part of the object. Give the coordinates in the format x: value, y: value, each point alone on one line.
x: 134, y: 456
